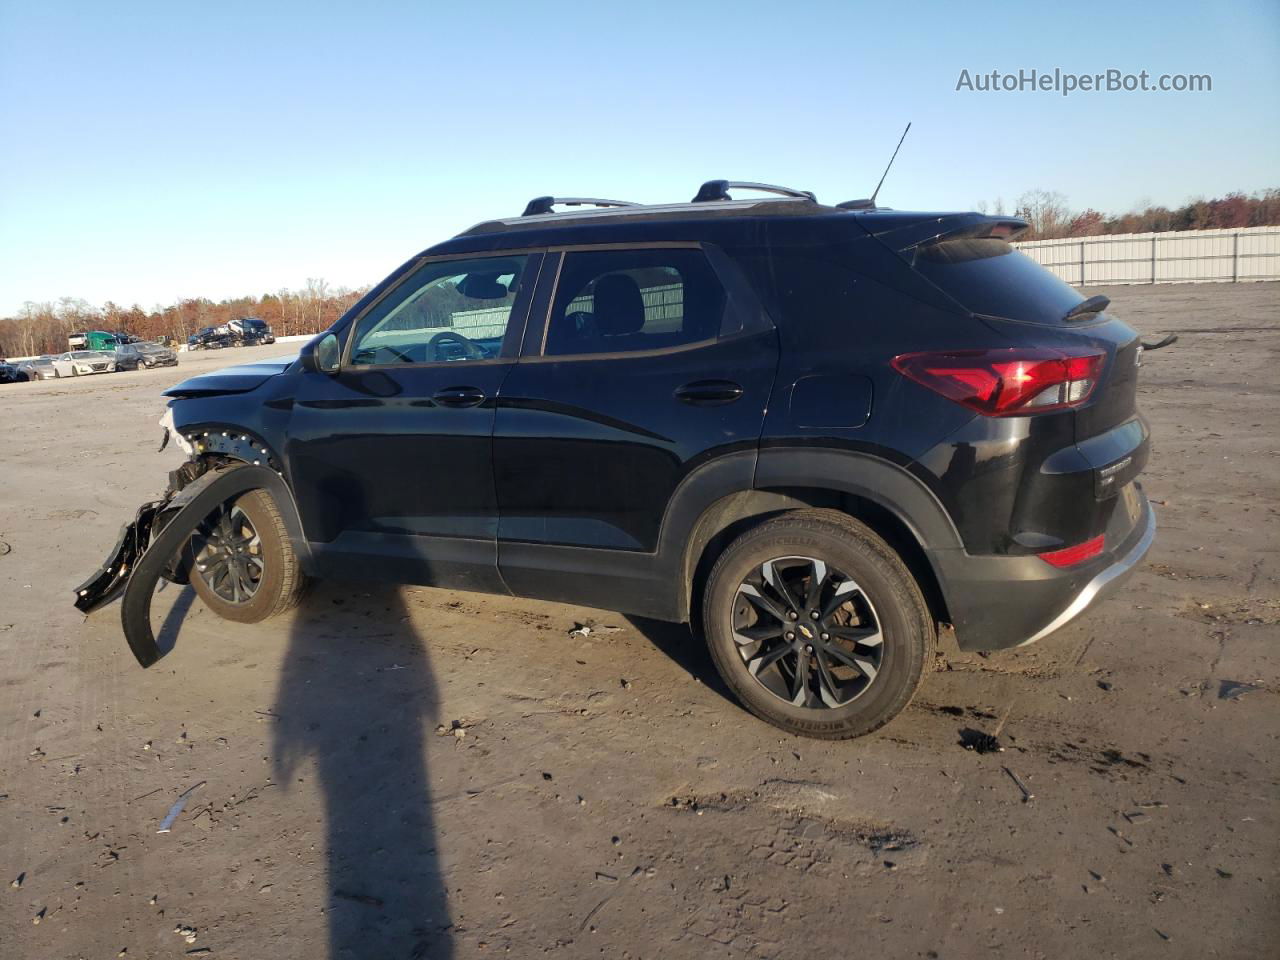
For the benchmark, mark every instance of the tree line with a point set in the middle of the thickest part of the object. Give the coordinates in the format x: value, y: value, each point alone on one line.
x: 40, y: 328
x: 1051, y: 218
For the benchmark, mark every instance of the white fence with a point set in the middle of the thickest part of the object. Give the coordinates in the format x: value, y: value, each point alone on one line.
x: 1179, y: 256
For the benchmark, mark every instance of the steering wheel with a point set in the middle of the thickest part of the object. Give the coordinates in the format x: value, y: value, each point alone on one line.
x: 471, y: 350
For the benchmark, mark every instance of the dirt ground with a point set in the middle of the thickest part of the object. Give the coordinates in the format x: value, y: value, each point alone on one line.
x: 415, y: 773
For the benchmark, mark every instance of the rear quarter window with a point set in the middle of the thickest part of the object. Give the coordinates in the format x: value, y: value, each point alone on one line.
x: 986, y: 275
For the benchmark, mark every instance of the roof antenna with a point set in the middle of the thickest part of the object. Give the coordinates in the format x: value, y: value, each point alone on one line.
x: 870, y: 204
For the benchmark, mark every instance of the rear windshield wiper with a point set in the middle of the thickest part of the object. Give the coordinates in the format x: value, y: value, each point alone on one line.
x: 1084, y: 307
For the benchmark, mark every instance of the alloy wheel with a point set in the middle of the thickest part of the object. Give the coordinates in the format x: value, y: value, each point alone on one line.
x: 807, y: 632
x: 229, y: 557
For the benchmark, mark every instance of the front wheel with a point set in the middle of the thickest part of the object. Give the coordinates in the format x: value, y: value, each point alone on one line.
x: 241, y: 562
x: 816, y: 625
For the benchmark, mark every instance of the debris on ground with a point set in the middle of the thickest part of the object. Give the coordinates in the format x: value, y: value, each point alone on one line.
x: 16, y: 883
x: 1234, y: 689
x: 581, y: 630
x: 456, y: 728
x: 186, y: 931
x: 1026, y: 794
x: 167, y: 823
x: 979, y: 742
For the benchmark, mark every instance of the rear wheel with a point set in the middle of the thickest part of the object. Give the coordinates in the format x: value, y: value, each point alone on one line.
x: 241, y: 561
x: 817, y: 625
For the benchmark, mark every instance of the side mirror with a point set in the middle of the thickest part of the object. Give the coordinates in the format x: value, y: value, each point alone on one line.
x: 322, y: 356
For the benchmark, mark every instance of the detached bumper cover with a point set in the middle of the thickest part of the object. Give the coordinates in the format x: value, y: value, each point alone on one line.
x: 149, y: 549
x: 110, y: 579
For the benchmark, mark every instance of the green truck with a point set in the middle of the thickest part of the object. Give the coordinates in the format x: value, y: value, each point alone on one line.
x: 96, y: 340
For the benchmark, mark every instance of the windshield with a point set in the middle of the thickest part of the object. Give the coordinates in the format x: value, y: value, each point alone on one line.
x: 85, y: 355
x: 150, y: 348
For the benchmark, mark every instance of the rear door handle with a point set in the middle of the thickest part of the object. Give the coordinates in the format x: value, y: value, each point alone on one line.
x: 459, y: 397
x: 709, y: 393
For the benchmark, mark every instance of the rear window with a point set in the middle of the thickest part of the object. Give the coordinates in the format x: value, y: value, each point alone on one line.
x: 985, y: 275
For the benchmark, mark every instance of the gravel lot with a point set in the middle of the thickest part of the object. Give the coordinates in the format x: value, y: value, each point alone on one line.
x: 414, y: 773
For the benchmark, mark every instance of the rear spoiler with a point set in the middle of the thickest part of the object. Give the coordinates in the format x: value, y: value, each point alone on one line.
x: 905, y: 237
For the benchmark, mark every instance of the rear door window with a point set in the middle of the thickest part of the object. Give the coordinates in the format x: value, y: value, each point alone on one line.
x: 623, y: 301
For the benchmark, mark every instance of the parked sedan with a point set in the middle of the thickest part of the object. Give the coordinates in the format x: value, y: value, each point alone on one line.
x: 39, y: 368
x: 131, y: 356
x: 77, y: 363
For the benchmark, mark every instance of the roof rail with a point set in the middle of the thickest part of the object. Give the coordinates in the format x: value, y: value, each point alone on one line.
x: 719, y: 190
x: 541, y: 205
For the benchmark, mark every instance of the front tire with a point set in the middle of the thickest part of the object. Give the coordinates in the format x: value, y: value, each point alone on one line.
x: 241, y: 562
x: 816, y: 625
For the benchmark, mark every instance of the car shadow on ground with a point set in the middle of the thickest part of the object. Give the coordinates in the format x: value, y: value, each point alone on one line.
x: 687, y: 649
x: 355, y: 698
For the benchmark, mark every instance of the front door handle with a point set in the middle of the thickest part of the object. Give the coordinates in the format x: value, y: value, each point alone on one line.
x: 709, y: 393
x: 459, y: 397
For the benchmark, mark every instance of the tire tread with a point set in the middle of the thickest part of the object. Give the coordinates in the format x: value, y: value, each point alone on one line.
x: 825, y: 521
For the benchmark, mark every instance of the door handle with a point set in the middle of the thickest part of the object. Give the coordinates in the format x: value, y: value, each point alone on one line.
x: 459, y: 397
x: 709, y: 393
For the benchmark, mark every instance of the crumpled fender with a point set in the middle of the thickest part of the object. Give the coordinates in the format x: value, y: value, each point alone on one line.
x: 171, y: 524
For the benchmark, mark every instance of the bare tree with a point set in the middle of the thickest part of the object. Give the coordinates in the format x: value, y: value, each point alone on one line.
x: 1046, y: 211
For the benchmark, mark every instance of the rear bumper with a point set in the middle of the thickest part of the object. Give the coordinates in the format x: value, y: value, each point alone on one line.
x: 999, y: 602
x: 1106, y: 582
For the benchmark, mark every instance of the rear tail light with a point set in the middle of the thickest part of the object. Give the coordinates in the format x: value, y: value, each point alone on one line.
x: 1071, y: 556
x: 1009, y: 382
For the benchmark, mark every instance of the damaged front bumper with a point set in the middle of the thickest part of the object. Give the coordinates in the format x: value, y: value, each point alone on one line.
x: 151, y: 547
x: 110, y: 579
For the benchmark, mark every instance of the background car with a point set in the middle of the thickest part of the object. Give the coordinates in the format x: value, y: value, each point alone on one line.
x: 11, y: 373
x: 210, y: 338
x: 130, y: 356
x: 39, y: 368
x: 77, y: 363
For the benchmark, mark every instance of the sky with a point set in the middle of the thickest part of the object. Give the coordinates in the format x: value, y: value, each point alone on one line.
x: 153, y: 151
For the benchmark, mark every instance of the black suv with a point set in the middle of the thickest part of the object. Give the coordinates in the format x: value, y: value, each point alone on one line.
x: 813, y: 432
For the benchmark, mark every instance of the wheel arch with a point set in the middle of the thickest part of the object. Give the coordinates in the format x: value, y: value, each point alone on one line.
x: 889, y: 500
x: 217, y: 448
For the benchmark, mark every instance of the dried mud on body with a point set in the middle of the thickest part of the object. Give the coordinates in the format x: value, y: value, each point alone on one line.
x: 420, y: 773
